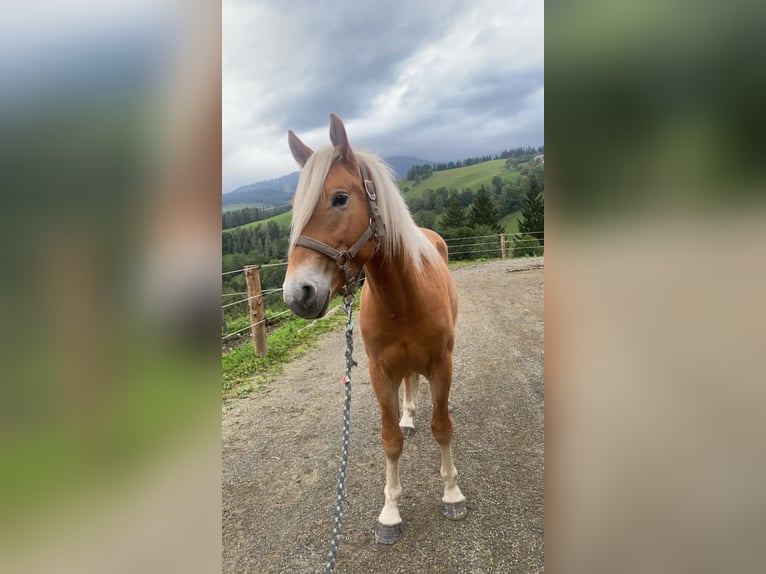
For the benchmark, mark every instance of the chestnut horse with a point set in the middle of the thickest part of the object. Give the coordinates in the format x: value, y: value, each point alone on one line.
x: 347, y: 215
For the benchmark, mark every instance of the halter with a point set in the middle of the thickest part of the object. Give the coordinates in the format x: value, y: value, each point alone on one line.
x: 375, y: 230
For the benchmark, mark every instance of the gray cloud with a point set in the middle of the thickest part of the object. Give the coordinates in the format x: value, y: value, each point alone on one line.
x: 435, y: 79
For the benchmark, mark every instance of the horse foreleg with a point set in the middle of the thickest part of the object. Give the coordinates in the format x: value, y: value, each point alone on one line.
x: 407, y: 423
x: 388, y: 530
x: 441, y: 427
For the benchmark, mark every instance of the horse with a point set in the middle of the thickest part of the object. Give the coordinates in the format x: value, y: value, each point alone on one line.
x: 348, y: 215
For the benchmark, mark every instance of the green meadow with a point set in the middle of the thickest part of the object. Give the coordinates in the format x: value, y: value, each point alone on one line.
x: 473, y: 176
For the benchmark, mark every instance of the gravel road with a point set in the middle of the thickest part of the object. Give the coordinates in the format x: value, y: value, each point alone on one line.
x: 281, y: 449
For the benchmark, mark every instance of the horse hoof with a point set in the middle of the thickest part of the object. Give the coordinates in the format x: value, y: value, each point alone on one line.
x: 388, y: 534
x: 454, y: 510
x: 407, y: 431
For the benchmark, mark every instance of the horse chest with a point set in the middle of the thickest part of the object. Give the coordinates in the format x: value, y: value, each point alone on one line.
x: 410, y: 345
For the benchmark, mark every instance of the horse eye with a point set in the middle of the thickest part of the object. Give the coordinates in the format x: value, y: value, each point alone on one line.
x: 340, y: 200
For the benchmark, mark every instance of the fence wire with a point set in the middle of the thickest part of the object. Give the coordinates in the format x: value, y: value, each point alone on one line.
x: 235, y: 332
x: 269, y: 318
x: 232, y: 294
x: 230, y: 272
x: 497, y: 235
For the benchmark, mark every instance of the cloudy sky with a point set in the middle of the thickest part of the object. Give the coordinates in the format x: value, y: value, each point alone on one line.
x: 440, y: 80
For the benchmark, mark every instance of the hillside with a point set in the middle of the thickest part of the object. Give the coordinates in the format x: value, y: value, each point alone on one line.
x: 472, y: 176
x: 283, y: 220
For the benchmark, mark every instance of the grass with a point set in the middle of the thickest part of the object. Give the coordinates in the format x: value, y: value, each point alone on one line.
x: 243, y: 372
x: 472, y: 176
x: 511, y: 222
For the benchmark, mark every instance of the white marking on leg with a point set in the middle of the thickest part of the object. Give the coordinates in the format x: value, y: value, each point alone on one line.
x: 408, y: 407
x: 452, y: 492
x: 393, y: 491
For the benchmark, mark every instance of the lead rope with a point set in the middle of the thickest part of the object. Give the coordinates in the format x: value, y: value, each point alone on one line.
x: 348, y: 301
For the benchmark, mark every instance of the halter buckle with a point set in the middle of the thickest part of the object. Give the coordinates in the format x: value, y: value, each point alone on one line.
x: 369, y: 187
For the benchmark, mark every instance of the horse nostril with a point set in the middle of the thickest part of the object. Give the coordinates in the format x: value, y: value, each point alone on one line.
x: 308, y: 292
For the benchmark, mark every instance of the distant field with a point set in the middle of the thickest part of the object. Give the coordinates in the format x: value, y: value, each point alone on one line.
x: 472, y: 176
x: 283, y: 219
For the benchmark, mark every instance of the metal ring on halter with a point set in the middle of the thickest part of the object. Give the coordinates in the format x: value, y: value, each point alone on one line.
x: 344, y: 260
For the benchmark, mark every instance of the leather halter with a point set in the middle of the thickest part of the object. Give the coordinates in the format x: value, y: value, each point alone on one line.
x: 375, y: 230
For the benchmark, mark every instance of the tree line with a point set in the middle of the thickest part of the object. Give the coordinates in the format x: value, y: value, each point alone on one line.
x: 522, y: 154
x: 519, y: 152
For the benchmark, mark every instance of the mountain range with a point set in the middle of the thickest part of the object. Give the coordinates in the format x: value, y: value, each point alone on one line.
x: 275, y: 192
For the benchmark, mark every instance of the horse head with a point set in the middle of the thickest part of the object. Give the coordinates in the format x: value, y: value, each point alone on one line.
x: 333, y: 232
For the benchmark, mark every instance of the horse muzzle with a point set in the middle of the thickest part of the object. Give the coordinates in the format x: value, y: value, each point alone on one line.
x: 308, y: 297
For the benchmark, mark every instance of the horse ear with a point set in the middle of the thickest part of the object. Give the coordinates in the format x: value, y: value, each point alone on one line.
x: 301, y: 152
x: 339, y: 138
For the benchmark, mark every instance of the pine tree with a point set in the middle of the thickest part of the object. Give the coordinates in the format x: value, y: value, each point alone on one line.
x: 483, y: 211
x: 532, y: 210
x: 454, y: 217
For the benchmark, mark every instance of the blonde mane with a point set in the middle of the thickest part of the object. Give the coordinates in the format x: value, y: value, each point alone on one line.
x: 403, y: 236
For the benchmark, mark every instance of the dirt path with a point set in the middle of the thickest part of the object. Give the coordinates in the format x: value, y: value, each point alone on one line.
x: 281, y: 450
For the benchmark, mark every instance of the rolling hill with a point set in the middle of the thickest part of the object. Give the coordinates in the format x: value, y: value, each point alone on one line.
x: 283, y: 220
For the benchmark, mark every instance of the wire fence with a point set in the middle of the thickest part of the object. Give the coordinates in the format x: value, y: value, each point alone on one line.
x: 498, y: 235
x: 475, y: 247
x: 251, y: 325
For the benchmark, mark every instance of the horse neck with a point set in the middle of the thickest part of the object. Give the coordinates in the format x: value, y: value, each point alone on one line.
x: 392, y: 282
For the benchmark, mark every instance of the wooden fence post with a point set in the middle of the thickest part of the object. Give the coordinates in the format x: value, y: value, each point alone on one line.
x: 502, y: 246
x: 257, y: 312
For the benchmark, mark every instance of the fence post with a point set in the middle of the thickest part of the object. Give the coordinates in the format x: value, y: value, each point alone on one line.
x: 257, y: 313
x: 502, y: 246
